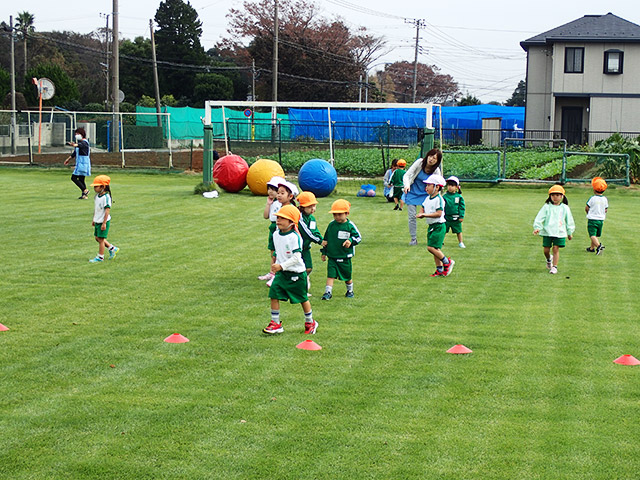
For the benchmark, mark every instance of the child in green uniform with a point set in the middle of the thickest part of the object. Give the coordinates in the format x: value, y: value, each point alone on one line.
x: 271, y: 207
x: 285, y: 195
x: 308, y: 230
x: 433, y: 210
x: 596, y: 209
x: 340, y: 238
x: 396, y: 181
x: 554, y: 223
x: 102, y: 218
x: 290, y: 277
x: 454, y: 208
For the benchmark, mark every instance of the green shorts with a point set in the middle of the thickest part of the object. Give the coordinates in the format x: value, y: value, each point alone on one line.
x: 272, y: 228
x: 306, y: 258
x: 98, y: 232
x: 454, y: 225
x: 557, y: 241
x: 594, y: 227
x: 435, y: 235
x: 289, y: 286
x: 339, y: 268
x: 397, y: 192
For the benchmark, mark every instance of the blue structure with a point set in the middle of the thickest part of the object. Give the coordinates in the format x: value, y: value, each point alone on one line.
x: 318, y: 176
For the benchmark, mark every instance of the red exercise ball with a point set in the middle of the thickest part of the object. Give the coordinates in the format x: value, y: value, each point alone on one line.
x: 230, y: 173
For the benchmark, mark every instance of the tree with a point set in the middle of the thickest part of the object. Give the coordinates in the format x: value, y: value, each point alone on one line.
x: 5, y: 82
x: 212, y: 86
x: 469, y: 100
x: 178, y: 41
x: 136, y: 76
x: 24, y: 25
x: 519, y: 95
x: 66, y: 88
x: 319, y: 59
x: 431, y: 86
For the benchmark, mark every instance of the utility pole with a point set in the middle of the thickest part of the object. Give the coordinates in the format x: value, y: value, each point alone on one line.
x: 106, y: 61
x: 253, y: 79
x: 274, y: 80
x: 115, y: 85
x: 418, y: 23
x: 13, y: 88
x: 155, y: 73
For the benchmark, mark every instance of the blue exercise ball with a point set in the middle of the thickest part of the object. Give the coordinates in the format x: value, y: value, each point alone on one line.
x: 318, y: 176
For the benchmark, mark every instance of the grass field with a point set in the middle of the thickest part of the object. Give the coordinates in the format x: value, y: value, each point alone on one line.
x: 89, y: 389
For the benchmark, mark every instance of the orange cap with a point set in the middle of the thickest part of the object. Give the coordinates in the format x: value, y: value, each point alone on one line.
x: 402, y: 162
x: 306, y: 199
x: 556, y: 189
x: 340, y: 206
x: 100, y: 180
x: 290, y: 213
x: 599, y: 184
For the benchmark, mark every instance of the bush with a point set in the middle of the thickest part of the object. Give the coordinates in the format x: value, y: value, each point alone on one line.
x: 615, y: 167
x: 203, y: 187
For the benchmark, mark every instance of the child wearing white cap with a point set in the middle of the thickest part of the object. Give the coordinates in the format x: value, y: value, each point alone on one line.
x: 270, y: 209
x: 454, y: 208
x: 433, y: 209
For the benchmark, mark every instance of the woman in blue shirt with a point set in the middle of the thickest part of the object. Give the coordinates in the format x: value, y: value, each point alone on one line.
x: 83, y: 161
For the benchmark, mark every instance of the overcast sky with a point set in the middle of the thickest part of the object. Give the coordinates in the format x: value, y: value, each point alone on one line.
x: 475, y: 42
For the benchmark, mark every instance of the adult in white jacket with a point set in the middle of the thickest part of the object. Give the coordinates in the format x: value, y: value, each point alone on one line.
x: 415, y: 193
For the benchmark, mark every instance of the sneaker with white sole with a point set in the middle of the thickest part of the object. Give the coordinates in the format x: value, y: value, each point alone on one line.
x: 96, y: 260
x: 413, y: 242
x: 269, y: 282
x: 549, y: 264
x: 113, y: 253
x: 266, y: 276
x: 553, y: 270
x: 462, y: 245
x: 310, y: 327
x: 349, y: 294
x: 327, y: 296
x: 273, y: 327
x: 599, y: 249
x: 449, y: 267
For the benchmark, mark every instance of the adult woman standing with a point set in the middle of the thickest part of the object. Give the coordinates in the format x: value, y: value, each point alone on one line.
x: 415, y: 193
x: 83, y: 161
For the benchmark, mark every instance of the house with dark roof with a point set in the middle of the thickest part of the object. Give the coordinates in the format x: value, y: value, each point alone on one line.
x: 584, y: 77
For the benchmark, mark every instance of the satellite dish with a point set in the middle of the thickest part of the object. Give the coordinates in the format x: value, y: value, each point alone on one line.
x: 46, y: 88
x: 120, y: 96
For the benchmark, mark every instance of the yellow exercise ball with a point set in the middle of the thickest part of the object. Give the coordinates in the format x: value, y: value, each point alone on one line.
x: 260, y: 173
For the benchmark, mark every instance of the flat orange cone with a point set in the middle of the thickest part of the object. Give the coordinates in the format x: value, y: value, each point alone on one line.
x: 176, y: 338
x: 309, y: 345
x: 459, y: 349
x: 627, y: 360
x: 3, y: 328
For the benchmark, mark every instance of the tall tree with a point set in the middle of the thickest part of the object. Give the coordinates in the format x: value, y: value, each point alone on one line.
x: 136, y: 74
x: 24, y: 25
x: 519, y: 95
x: 431, y: 86
x: 178, y: 41
x: 66, y: 88
x: 469, y: 100
x: 319, y: 59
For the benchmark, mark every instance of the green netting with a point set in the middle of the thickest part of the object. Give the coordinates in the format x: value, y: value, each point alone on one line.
x: 186, y: 123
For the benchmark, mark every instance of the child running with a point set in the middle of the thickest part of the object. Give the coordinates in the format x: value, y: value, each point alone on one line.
x: 554, y: 223
x: 338, y: 245
x: 308, y: 230
x: 433, y: 211
x: 270, y: 209
x: 102, y: 218
x: 596, y: 210
x: 290, y: 277
x: 386, y: 180
x: 396, y: 181
x: 454, y: 208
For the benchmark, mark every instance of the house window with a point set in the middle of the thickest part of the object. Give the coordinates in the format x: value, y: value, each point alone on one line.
x: 613, y: 61
x: 573, y: 60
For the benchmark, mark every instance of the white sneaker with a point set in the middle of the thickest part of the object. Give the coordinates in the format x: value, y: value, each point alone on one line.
x: 461, y: 245
x: 269, y: 282
x: 549, y: 264
x: 266, y: 276
x: 553, y: 270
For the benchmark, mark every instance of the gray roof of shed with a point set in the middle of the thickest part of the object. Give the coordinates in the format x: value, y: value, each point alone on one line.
x: 590, y: 28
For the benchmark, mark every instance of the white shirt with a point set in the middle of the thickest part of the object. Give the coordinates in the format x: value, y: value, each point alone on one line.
x: 273, y: 209
x: 432, y: 205
x: 598, y: 205
x: 102, y: 202
x: 289, y: 251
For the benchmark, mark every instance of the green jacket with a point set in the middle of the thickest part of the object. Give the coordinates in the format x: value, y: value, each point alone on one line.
x: 309, y: 231
x: 336, y: 235
x: 453, y: 206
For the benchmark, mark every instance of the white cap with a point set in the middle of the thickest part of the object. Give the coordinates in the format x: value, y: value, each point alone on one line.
x: 435, y: 179
x: 453, y: 178
x: 290, y: 186
x: 275, y: 181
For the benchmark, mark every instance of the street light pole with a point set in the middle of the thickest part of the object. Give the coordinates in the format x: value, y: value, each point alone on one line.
x: 13, y: 88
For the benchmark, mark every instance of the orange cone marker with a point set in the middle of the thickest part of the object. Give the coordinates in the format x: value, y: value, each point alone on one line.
x: 627, y: 360
x: 3, y: 328
x: 309, y: 345
x: 459, y: 349
x: 176, y: 338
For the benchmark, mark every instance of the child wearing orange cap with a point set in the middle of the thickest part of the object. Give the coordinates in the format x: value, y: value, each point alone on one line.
x: 102, y: 218
x: 308, y: 230
x: 555, y: 224
x: 596, y: 209
x: 397, y: 182
x: 290, y: 277
x: 340, y: 238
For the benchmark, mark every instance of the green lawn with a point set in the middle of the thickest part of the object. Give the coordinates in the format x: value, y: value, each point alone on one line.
x: 539, y: 397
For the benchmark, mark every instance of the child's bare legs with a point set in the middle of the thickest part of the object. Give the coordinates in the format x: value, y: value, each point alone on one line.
x: 328, y: 289
x: 595, y: 243
x: 102, y: 242
x: 306, y: 306
x: 437, y: 255
x: 556, y: 255
x: 275, y: 304
x: 459, y: 235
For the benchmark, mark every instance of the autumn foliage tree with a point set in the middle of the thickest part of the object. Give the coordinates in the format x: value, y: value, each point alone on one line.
x: 319, y: 59
x: 431, y: 86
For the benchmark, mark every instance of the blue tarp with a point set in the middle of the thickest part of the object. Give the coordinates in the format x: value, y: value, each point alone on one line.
x: 471, y: 117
